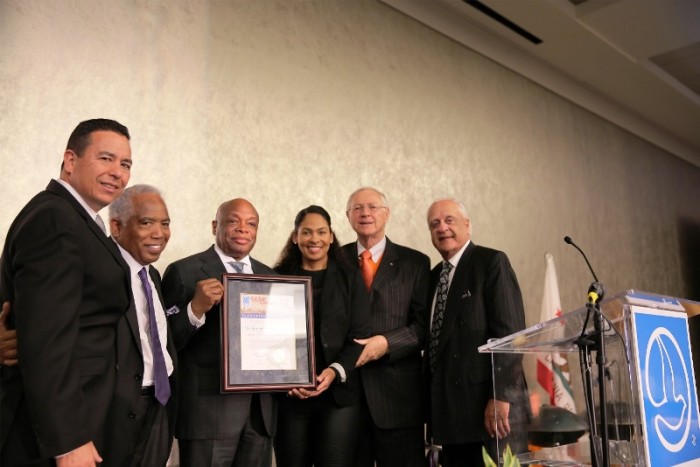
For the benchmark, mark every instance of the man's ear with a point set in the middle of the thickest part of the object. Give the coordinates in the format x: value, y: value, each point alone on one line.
x: 213, y: 227
x: 69, y: 161
x: 115, y: 228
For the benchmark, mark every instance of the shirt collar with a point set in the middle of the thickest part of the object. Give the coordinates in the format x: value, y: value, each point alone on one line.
x: 377, y: 250
x: 78, y: 198
x: 457, y: 256
x: 227, y: 259
x: 134, y: 266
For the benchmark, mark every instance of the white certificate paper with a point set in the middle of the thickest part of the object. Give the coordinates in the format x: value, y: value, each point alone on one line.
x: 268, y: 340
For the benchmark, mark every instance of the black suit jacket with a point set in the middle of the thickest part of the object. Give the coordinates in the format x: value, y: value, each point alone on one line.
x: 399, y: 311
x: 205, y: 413
x: 128, y: 417
x: 483, y: 301
x: 345, y: 316
x: 69, y: 287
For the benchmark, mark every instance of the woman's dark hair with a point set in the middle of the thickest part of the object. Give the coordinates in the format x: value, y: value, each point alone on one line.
x: 289, y: 261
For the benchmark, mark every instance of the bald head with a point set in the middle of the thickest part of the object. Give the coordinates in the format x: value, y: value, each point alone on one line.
x: 236, y: 227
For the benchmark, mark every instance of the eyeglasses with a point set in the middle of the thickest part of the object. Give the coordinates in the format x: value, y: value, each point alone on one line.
x: 358, y: 208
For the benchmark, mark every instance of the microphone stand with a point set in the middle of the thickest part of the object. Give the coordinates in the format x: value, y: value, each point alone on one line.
x: 597, y: 340
x: 594, y: 294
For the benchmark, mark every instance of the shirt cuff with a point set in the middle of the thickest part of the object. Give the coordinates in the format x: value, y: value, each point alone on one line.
x: 194, y: 321
x: 341, y: 371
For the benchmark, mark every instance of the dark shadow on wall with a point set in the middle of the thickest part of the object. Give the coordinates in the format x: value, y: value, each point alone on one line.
x: 689, y: 244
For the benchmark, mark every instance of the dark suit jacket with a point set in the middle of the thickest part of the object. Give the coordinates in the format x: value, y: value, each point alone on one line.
x: 124, y: 434
x: 483, y: 301
x: 69, y: 287
x: 345, y: 316
x: 400, y: 312
x: 205, y: 413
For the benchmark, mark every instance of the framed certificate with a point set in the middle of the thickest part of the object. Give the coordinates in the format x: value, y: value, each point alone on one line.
x: 267, y: 333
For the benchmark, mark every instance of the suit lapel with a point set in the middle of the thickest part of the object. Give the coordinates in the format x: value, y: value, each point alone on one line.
x: 387, y: 267
x: 458, y: 296
x: 260, y: 268
x: 211, y: 264
x: 58, y: 189
x: 155, y: 276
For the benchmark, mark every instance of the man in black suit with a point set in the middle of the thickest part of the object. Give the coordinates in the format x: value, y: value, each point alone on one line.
x: 141, y: 431
x: 214, y: 428
x: 393, y: 410
x: 68, y: 287
x: 476, y: 297
x: 144, y: 413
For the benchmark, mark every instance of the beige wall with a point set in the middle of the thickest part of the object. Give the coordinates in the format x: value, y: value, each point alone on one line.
x: 289, y: 103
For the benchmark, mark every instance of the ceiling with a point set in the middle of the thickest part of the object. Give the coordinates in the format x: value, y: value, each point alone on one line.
x: 633, y: 62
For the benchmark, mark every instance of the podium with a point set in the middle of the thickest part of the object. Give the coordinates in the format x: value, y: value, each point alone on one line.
x: 652, y: 404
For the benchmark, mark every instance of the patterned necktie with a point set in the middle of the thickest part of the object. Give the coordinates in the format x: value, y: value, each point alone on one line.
x: 438, y: 315
x: 237, y: 266
x: 160, y: 372
x: 368, y: 268
x: 99, y: 221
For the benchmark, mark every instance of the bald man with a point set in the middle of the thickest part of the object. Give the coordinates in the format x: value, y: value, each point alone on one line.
x: 214, y: 428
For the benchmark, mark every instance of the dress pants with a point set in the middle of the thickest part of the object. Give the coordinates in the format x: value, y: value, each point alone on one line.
x: 397, y: 447
x: 316, y: 432
x: 252, y: 447
x: 154, y: 441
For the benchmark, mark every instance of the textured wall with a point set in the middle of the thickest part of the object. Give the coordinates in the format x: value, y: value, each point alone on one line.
x: 291, y: 103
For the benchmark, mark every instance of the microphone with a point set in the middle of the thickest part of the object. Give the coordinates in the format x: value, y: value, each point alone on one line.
x: 596, y: 291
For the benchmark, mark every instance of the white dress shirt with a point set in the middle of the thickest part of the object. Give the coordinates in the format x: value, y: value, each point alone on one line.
x: 141, y: 304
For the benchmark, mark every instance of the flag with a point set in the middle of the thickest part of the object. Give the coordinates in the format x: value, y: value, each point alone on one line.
x: 553, y: 368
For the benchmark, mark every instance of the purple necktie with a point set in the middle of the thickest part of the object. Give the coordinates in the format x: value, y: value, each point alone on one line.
x: 160, y: 372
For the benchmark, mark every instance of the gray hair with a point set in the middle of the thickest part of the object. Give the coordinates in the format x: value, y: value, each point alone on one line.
x: 122, y: 208
x: 460, y: 206
x: 381, y: 196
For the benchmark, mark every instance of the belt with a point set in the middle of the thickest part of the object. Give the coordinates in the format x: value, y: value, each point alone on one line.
x: 148, y: 391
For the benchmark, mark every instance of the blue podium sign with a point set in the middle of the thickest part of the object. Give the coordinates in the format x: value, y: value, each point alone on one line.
x: 667, y: 387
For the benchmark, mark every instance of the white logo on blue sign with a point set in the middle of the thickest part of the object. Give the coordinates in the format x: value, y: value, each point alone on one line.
x: 669, y: 397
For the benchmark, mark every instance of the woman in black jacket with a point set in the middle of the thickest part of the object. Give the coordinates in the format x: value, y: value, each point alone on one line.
x: 319, y: 427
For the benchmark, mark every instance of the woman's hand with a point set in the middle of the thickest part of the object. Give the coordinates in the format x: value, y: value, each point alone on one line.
x: 324, y: 380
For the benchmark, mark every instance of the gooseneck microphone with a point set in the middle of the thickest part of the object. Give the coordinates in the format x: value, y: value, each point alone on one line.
x: 596, y: 291
x: 600, y: 453
x: 568, y: 240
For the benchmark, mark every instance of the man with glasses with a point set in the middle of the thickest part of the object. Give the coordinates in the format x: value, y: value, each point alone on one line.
x: 397, y: 283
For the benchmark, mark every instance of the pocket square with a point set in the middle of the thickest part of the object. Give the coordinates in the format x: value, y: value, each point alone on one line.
x: 173, y: 310
x: 466, y: 294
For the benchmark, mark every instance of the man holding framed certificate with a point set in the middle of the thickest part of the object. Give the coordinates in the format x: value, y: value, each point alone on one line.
x: 214, y: 428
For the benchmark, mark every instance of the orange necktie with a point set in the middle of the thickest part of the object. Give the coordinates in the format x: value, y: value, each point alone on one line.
x: 368, y: 268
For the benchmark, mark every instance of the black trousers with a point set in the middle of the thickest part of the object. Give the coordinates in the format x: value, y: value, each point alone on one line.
x: 316, y: 432
x: 394, y: 447
x: 250, y: 447
x: 154, y: 441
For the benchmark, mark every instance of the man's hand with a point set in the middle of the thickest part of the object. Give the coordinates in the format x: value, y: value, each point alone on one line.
x: 375, y: 348
x: 207, y: 294
x: 84, y: 456
x: 325, y: 379
x: 8, y: 339
x: 496, y: 418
